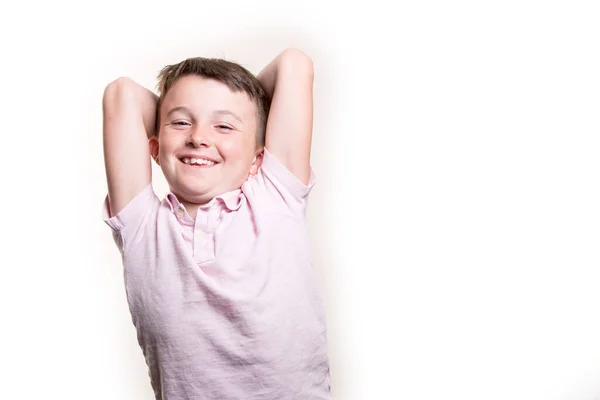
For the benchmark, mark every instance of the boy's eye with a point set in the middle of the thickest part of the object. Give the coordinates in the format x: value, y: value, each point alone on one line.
x: 226, y: 127
x: 180, y: 123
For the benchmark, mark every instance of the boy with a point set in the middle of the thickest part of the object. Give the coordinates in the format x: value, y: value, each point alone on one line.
x: 218, y: 275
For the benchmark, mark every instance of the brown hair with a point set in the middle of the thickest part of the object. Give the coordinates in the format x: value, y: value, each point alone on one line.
x: 235, y: 76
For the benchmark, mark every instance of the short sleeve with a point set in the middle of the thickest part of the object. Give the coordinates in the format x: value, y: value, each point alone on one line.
x: 127, y: 222
x: 282, y: 185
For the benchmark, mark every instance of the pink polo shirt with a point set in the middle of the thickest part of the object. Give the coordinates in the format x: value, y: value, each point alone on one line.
x: 226, y: 306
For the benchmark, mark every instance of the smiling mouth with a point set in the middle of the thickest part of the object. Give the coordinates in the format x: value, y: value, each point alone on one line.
x: 197, y: 162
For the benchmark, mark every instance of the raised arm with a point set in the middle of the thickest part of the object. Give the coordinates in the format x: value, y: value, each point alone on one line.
x: 129, y: 112
x: 288, y: 80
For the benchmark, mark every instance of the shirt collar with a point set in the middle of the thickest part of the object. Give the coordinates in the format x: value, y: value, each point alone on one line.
x: 230, y: 200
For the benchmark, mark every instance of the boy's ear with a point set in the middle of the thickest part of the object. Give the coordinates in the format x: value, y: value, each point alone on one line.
x: 153, y: 146
x: 257, y: 162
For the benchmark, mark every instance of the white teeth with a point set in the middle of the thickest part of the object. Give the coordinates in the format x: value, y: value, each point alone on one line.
x: 199, y: 161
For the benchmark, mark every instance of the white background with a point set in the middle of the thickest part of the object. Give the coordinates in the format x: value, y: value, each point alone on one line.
x: 455, y: 223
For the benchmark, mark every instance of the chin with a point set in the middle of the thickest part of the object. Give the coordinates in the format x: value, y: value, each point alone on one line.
x: 201, y: 196
x: 195, y: 195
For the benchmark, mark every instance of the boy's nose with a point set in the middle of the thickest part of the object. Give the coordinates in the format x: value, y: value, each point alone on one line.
x: 198, y: 138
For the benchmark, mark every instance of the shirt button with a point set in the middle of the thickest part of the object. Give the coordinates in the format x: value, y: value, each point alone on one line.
x: 179, y: 212
x: 202, y: 235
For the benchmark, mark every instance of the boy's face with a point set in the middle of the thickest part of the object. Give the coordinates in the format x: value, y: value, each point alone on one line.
x: 207, y: 139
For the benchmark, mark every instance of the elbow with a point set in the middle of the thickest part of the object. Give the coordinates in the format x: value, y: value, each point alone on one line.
x: 119, y: 85
x: 298, y: 61
x: 118, y: 90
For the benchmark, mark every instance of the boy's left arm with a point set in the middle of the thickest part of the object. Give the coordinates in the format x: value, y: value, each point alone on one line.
x: 288, y: 81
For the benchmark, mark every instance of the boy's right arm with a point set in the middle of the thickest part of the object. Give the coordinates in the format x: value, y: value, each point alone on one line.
x: 129, y: 112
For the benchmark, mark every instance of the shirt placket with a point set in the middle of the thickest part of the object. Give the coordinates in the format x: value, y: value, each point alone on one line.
x: 204, y: 243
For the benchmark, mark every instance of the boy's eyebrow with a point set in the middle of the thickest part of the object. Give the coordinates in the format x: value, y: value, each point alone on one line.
x: 216, y: 112
x: 180, y: 108
x: 227, y: 112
